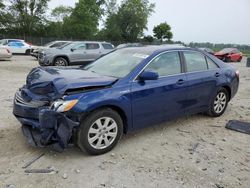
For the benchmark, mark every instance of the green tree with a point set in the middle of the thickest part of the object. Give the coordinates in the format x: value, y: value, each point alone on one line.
x: 127, y: 22
x: 84, y: 19
x: 133, y: 18
x: 61, y: 12
x: 27, y: 16
x: 148, y: 38
x: 2, y: 13
x: 163, y: 31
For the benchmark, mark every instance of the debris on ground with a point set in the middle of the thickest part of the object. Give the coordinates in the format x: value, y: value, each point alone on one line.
x: 65, y: 176
x: 239, y: 126
x: 33, y: 160
x: 193, y: 148
x: 40, y: 171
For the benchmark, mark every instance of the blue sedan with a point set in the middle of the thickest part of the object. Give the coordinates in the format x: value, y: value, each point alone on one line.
x: 128, y: 89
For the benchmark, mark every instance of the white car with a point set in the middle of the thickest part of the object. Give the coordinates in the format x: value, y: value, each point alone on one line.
x: 5, y: 53
x: 18, y: 47
x: 7, y: 41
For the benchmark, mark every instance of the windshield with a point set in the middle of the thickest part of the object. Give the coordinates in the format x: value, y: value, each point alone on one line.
x: 116, y: 64
x: 48, y: 44
x: 68, y: 46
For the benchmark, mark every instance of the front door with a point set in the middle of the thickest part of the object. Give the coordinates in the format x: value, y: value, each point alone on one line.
x: 154, y: 101
x: 78, y: 53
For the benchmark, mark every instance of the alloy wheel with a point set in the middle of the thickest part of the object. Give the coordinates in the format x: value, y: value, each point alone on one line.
x: 220, y: 102
x: 102, y: 133
x: 60, y: 62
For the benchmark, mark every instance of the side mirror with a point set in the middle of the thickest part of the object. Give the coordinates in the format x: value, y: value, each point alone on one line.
x: 148, y: 75
x: 72, y: 49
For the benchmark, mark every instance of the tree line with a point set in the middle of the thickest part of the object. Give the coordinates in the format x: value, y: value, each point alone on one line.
x: 124, y: 22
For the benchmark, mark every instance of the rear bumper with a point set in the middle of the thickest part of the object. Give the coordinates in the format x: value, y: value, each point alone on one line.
x: 5, y: 56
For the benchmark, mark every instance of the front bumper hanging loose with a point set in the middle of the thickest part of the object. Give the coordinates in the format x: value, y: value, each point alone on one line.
x: 55, y: 130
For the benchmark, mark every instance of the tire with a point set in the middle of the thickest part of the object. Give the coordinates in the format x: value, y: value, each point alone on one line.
x: 239, y: 60
x: 219, y: 103
x: 27, y: 52
x: 60, y: 61
x: 41, y: 64
x: 94, y: 137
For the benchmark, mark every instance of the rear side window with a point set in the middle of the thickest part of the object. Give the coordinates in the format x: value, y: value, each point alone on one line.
x: 195, y: 61
x: 211, y: 65
x: 107, y: 46
x: 166, y: 64
x: 80, y: 46
x: 92, y: 46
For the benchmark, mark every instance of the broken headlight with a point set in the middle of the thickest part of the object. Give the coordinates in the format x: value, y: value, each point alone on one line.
x: 63, y: 106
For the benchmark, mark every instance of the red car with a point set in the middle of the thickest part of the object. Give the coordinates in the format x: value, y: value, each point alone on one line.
x: 229, y: 55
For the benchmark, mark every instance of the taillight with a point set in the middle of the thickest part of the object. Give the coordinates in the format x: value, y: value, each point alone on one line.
x: 237, y: 73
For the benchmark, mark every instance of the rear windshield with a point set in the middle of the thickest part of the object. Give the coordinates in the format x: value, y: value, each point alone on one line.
x: 107, y: 46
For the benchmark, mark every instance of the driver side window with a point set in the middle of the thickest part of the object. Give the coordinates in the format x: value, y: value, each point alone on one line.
x: 166, y: 64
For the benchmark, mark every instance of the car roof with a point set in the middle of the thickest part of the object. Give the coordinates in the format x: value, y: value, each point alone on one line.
x: 14, y: 39
x: 148, y: 50
x: 103, y: 42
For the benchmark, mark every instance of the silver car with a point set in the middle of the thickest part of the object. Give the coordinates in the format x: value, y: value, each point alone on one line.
x: 74, y: 53
x: 54, y: 44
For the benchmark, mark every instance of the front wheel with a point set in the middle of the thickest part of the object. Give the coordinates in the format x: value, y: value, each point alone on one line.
x: 219, y: 103
x: 60, y: 61
x: 100, y: 131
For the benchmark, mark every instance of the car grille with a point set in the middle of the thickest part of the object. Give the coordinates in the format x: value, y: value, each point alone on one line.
x: 20, y: 100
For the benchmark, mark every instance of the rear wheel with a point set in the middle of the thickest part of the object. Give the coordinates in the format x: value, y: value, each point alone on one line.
x: 100, y: 131
x: 239, y: 60
x: 60, y: 61
x: 27, y: 52
x: 219, y: 103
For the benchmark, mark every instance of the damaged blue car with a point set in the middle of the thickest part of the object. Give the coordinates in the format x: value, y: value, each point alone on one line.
x: 128, y: 89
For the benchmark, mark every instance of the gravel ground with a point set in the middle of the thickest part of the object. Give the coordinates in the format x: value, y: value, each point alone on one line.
x: 194, y: 151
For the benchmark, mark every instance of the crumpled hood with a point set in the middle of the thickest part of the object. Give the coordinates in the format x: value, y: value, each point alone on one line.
x: 57, y: 80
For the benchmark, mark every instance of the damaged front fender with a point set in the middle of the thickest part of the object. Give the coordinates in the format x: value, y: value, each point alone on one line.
x: 55, y: 130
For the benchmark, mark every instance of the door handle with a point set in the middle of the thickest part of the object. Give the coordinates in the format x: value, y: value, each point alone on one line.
x: 180, y: 82
x: 217, y: 74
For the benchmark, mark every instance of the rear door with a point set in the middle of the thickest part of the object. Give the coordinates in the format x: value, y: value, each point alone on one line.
x: 157, y: 100
x: 202, y: 77
x: 93, y: 51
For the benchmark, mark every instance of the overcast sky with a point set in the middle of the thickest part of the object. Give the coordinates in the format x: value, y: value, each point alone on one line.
x: 217, y: 21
